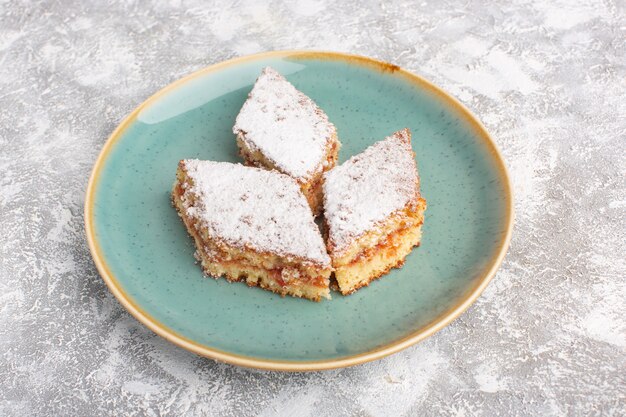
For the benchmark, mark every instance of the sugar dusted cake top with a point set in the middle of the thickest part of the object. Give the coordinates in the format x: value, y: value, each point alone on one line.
x: 254, y: 208
x: 369, y: 187
x: 285, y: 125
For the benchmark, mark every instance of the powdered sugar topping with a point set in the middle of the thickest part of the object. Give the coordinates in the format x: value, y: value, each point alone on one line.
x: 285, y: 125
x: 251, y: 207
x: 369, y: 187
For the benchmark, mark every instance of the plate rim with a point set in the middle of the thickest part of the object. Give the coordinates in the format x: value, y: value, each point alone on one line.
x: 439, y: 323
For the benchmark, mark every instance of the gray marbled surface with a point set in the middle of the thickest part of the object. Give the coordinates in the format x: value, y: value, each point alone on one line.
x: 548, y: 337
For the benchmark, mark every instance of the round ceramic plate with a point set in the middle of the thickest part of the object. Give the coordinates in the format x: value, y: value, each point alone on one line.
x: 144, y: 254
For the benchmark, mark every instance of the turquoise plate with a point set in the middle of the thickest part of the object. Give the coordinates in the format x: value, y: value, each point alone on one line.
x: 145, y: 256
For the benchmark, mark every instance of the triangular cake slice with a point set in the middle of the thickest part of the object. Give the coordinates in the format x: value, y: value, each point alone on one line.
x: 280, y: 128
x: 252, y: 225
x: 373, y: 211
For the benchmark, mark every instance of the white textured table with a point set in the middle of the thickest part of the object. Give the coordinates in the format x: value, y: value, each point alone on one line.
x: 548, y: 337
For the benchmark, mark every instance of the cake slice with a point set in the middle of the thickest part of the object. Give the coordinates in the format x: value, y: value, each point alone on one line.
x: 280, y: 128
x: 252, y: 225
x: 373, y: 211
